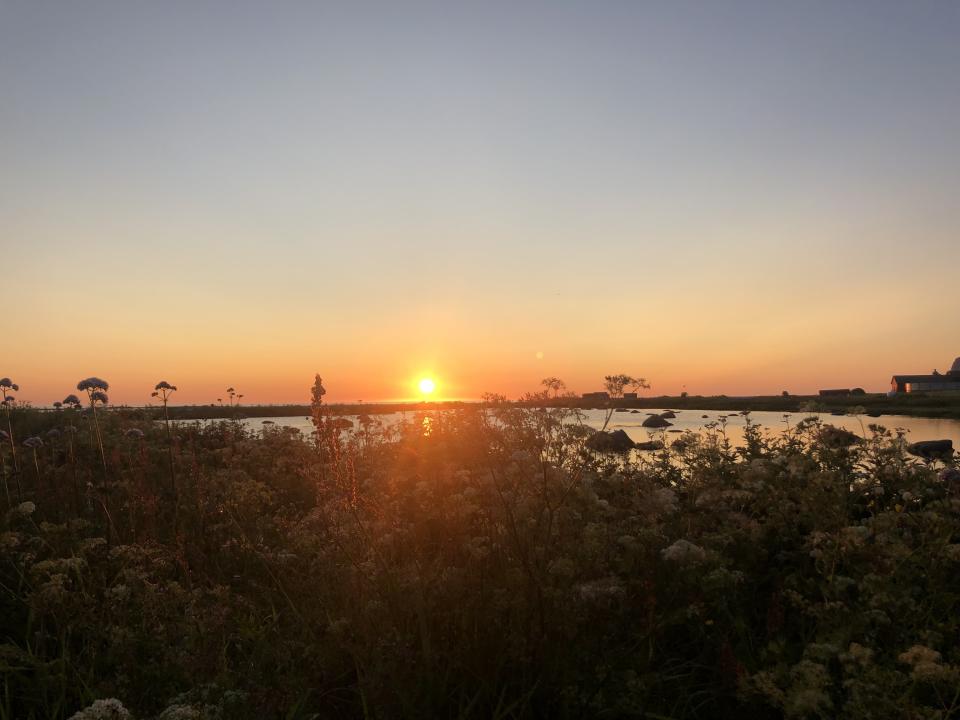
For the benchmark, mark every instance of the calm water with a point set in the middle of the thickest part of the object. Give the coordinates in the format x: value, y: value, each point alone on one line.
x: 694, y: 420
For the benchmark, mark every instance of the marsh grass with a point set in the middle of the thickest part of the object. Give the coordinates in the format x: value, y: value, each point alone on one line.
x: 491, y: 567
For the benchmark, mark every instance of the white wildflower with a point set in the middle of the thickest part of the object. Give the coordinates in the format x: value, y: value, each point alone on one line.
x: 109, y: 709
x: 684, y: 551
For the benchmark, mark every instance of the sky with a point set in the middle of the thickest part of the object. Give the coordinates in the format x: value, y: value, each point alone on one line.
x: 723, y: 197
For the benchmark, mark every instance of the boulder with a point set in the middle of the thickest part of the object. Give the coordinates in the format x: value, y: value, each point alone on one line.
x: 838, y: 437
x: 669, y: 414
x: 616, y: 441
x: 705, y: 417
x: 649, y: 445
x: 656, y: 421
x: 932, y: 449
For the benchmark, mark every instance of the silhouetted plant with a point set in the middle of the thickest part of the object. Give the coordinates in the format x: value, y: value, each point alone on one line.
x: 164, y: 390
x: 96, y: 393
x: 34, y: 443
x: 4, y: 438
x: 616, y: 385
x: 6, y: 385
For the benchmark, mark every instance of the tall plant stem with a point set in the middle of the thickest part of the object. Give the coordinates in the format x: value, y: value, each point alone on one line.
x: 13, y: 445
x: 6, y: 486
x: 96, y: 425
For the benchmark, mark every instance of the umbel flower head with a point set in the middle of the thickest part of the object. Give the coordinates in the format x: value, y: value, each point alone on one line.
x: 135, y: 433
x: 71, y: 400
x: 6, y: 383
x: 93, y: 383
x: 4, y: 436
x: 99, y: 396
x: 164, y: 385
x: 33, y: 442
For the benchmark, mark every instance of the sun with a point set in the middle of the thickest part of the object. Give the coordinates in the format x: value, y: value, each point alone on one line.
x: 427, y: 386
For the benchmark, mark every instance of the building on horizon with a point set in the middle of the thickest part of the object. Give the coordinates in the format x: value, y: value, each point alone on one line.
x: 596, y: 396
x: 934, y: 382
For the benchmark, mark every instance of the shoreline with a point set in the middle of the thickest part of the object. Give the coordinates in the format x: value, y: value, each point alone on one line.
x: 934, y: 405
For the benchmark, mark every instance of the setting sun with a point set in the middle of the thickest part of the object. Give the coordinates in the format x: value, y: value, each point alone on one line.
x: 427, y: 386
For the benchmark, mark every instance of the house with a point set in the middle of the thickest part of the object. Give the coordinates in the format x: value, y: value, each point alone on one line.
x: 934, y: 382
x: 596, y: 396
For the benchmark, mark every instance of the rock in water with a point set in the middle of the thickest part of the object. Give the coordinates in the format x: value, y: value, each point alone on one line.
x: 649, y: 445
x: 669, y: 414
x: 932, y: 449
x: 616, y: 441
x: 838, y: 437
x: 656, y: 421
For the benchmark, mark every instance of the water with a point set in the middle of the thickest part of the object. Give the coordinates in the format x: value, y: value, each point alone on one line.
x: 915, y: 428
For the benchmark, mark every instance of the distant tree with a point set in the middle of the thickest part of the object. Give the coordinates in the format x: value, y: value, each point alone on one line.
x: 785, y: 394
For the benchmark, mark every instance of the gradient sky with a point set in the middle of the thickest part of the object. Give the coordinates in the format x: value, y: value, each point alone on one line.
x: 725, y: 197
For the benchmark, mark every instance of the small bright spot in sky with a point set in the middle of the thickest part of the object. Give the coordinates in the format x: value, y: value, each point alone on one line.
x: 427, y: 386
x: 539, y: 355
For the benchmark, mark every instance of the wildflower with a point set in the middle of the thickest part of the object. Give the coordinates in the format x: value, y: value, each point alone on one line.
x: 26, y: 508
x: 71, y: 400
x: 919, y: 655
x: 135, y: 433
x: 57, y: 404
x: 684, y: 551
x: 53, y: 433
x: 96, y: 391
x: 603, y: 590
x: 857, y: 654
x: 33, y: 442
x: 5, y: 383
x: 4, y: 436
x: 925, y: 665
x: 109, y: 709
x: 164, y: 385
x: 951, y: 476
x: 181, y: 712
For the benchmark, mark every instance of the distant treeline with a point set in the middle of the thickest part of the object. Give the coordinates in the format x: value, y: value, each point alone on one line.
x: 934, y: 405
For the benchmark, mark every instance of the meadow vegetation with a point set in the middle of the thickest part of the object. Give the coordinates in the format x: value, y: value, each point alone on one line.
x: 470, y: 563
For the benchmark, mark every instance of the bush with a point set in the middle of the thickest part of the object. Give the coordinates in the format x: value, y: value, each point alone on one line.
x: 476, y: 564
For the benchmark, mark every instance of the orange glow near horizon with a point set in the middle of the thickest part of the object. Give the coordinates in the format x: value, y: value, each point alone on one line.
x: 427, y: 386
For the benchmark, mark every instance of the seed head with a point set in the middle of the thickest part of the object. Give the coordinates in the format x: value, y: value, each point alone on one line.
x: 93, y: 383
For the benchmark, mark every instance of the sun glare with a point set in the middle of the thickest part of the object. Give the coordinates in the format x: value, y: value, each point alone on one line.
x: 427, y: 386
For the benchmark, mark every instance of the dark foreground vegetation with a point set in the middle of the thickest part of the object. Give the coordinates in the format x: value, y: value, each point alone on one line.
x: 470, y: 564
